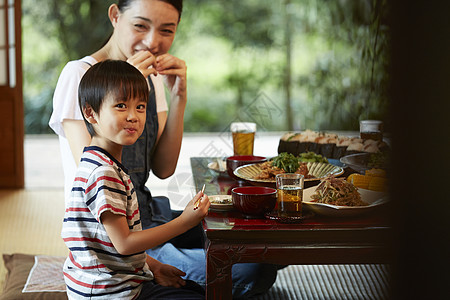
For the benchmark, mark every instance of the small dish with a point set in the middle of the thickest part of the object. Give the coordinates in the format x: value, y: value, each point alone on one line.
x: 221, y: 202
x: 361, y: 162
x: 358, y: 162
x: 372, y: 198
x: 336, y: 162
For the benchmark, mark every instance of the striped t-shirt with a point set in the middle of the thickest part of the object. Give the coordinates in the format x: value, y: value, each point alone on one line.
x: 94, y: 268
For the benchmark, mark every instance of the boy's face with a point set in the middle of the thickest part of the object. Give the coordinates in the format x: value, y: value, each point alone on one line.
x: 119, y: 122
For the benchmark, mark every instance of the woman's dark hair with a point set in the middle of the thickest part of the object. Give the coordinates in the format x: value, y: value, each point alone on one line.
x: 115, y: 78
x: 178, y: 4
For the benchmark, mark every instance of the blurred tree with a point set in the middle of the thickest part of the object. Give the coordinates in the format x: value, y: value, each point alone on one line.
x: 55, y: 32
x: 288, y: 64
x: 248, y: 27
x: 82, y: 25
x: 349, y: 82
x: 326, y: 59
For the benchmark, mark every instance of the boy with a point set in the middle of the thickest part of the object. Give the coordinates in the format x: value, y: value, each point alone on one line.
x: 102, y: 226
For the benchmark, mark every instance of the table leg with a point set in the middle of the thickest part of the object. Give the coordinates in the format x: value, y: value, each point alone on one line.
x: 218, y: 275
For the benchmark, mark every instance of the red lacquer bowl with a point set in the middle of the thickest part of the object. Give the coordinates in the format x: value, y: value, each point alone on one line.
x: 254, y: 201
x: 233, y: 162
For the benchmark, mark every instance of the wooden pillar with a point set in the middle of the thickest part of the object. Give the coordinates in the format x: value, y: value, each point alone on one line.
x: 11, y: 96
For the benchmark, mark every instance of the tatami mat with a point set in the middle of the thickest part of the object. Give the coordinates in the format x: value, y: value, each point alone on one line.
x: 331, y: 282
x: 30, y: 223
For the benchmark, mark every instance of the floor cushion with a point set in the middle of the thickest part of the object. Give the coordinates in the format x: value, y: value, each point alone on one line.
x: 33, y: 277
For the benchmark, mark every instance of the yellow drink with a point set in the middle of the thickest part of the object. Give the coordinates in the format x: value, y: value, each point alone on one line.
x: 243, y: 142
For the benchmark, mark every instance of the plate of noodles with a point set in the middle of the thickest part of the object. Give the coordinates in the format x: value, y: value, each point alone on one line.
x: 336, y: 197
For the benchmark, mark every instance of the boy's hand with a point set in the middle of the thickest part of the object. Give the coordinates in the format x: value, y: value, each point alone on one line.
x: 166, y: 275
x: 196, y: 209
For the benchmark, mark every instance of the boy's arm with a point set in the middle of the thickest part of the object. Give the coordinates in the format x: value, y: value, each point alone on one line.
x: 129, y: 242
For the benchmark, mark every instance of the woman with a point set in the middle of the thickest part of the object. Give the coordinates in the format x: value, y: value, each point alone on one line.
x: 143, y: 34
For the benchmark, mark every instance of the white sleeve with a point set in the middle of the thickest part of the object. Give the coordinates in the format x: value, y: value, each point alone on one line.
x: 65, y: 98
x: 160, y: 94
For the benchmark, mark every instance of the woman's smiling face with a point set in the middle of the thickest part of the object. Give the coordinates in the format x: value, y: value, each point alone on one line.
x: 146, y: 25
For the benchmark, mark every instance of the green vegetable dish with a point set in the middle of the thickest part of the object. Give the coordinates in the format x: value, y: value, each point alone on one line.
x: 286, y: 161
x: 312, y: 157
x: 290, y: 163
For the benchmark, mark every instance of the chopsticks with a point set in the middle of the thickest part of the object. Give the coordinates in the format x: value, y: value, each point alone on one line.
x: 198, y: 200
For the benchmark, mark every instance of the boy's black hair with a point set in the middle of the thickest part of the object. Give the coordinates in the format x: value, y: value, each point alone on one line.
x: 115, y: 78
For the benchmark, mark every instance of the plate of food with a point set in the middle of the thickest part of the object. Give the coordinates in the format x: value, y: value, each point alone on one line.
x: 336, y: 197
x: 264, y: 173
x: 221, y: 202
x: 361, y: 162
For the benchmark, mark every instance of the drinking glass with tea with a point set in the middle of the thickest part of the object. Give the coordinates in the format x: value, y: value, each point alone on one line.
x: 243, y: 134
x: 289, y: 194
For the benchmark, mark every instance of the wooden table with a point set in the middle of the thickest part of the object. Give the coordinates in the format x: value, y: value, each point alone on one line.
x: 231, y: 238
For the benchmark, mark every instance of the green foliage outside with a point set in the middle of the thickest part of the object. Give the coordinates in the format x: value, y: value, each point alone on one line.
x: 288, y: 64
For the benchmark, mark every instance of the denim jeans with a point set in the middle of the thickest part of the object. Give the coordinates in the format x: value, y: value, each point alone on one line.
x: 187, y: 254
x: 249, y: 279
x: 152, y: 290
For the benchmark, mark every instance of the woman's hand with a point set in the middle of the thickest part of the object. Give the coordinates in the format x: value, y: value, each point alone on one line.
x: 144, y: 61
x: 166, y: 275
x: 174, y: 71
x: 172, y: 68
